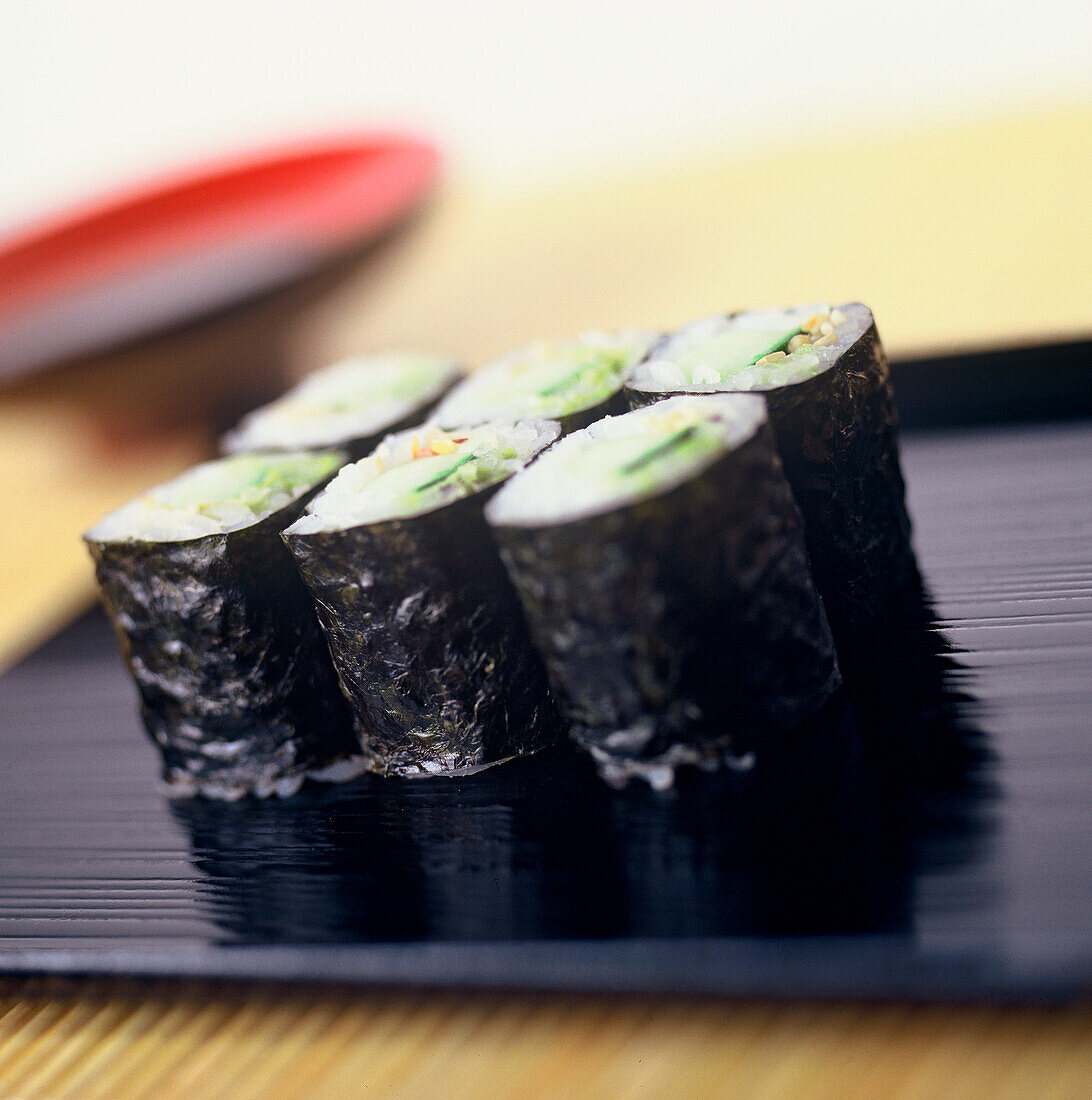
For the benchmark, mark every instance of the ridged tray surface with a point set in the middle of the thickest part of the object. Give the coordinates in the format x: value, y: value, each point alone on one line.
x: 869, y: 860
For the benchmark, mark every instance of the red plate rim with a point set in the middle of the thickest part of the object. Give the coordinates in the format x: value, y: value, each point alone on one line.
x: 319, y: 194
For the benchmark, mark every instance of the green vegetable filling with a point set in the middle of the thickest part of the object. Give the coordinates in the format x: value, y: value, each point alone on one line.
x: 412, y: 487
x: 249, y: 480
x: 654, y: 454
x: 734, y: 350
x: 548, y: 379
x: 644, y: 460
x: 445, y: 474
x: 565, y: 383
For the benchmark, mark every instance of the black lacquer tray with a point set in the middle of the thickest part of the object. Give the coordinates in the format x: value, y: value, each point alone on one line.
x: 929, y: 836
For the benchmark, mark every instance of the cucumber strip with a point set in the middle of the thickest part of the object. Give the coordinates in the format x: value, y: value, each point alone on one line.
x: 564, y: 383
x: 661, y: 449
x: 445, y: 474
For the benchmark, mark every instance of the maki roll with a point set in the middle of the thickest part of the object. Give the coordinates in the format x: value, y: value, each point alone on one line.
x: 235, y: 683
x: 825, y: 378
x: 660, y: 560
x: 350, y: 405
x: 425, y: 630
x: 574, y: 382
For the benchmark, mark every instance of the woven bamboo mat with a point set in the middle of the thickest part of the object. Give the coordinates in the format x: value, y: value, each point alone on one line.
x: 191, y: 1042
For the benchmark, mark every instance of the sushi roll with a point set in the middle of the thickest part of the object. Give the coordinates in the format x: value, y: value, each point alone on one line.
x: 350, y: 405
x: 235, y: 682
x: 425, y: 630
x: 660, y: 560
x: 825, y: 377
x: 573, y: 381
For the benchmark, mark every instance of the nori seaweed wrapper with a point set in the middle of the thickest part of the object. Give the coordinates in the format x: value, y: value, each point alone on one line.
x: 837, y: 434
x: 614, y: 405
x: 429, y: 640
x: 683, y: 628
x: 235, y: 682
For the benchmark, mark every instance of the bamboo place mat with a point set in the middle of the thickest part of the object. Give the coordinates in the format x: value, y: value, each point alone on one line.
x: 974, y: 237
x: 190, y: 1041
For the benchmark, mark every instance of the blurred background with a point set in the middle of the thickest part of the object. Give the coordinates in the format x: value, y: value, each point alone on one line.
x: 603, y: 165
x: 515, y: 95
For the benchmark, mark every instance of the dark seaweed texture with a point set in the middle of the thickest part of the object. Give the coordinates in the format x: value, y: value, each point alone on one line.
x: 614, y: 405
x: 837, y: 437
x: 236, y: 685
x: 429, y: 640
x: 684, y: 622
x: 359, y: 446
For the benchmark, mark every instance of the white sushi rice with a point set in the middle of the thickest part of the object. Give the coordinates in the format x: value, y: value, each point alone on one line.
x: 365, y: 491
x: 511, y: 388
x: 183, y: 785
x: 216, y: 497
x: 351, y: 399
x: 579, y: 476
x: 662, y: 373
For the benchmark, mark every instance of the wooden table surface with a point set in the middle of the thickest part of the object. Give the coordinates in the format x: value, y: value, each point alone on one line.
x: 977, y: 236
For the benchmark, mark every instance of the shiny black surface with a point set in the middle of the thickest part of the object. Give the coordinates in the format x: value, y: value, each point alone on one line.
x: 931, y: 835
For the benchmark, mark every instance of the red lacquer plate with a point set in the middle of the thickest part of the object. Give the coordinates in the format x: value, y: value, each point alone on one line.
x: 180, y: 246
